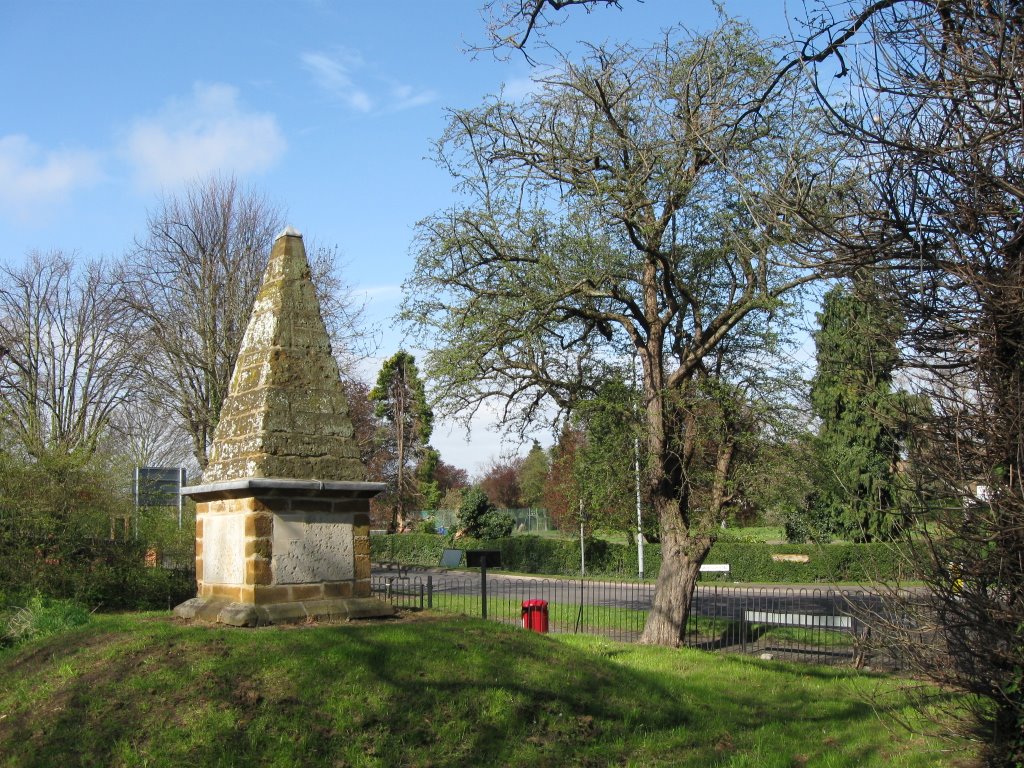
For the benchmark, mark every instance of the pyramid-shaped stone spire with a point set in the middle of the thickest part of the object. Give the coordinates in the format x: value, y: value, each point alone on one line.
x: 286, y: 415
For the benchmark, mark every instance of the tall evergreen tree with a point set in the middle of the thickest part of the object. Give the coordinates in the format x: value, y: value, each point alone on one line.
x: 407, y: 422
x: 859, y: 440
x: 429, y: 489
x: 533, y: 474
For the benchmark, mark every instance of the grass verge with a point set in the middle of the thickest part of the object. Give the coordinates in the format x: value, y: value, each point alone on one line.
x: 435, y: 691
x: 616, y: 621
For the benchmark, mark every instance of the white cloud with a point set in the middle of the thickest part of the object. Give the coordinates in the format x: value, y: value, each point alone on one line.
x: 32, y: 179
x: 337, y: 74
x: 208, y: 132
x: 333, y: 74
x: 405, y: 97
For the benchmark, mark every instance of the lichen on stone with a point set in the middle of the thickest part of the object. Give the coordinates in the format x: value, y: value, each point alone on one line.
x: 286, y: 414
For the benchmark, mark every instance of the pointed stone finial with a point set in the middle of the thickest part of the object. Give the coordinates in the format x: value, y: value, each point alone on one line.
x: 286, y: 415
x: 288, y: 231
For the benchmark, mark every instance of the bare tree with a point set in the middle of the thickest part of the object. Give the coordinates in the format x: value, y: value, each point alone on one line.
x: 66, y: 362
x: 193, y: 278
x: 147, y: 433
x: 512, y: 23
x: 344, y: 313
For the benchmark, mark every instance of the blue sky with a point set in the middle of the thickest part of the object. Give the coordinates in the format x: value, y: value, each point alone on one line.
x: 328, y: 108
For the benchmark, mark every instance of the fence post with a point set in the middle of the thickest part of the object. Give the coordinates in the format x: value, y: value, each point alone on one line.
x: 483, y: 587
x: 742, y: 623
x: 430, y: 591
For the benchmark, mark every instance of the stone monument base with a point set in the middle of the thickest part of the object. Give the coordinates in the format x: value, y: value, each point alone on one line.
x: 223, y: 611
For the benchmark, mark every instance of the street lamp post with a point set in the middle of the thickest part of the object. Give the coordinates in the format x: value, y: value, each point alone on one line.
x: 636, y: 475
x: 639, y: 521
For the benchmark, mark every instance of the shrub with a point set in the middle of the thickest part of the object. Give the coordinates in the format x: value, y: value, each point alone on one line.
x: 497, y: 524
x: 101, y: 574
x: 473, y: 510
x: 55, y: 523
x: 407, y: 548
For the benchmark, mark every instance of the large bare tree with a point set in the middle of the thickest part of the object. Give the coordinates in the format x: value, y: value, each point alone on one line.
x: 146, y: 432
x: 66, y: 361
x: 632, y: 205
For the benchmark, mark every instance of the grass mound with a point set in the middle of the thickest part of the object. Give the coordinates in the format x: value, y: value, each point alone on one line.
x: 430, y: 691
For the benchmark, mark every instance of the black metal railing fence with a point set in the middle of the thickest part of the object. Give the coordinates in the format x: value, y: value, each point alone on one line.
x: 827, y: 626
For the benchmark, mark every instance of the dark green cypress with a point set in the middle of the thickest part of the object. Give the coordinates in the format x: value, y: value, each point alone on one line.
x: 859, y: 440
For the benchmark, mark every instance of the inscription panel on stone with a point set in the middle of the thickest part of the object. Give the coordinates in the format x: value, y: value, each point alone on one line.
x: 224, y: 549
x: 311, y: 547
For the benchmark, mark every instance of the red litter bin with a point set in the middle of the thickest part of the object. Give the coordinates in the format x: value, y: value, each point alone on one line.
x: 535, y: 615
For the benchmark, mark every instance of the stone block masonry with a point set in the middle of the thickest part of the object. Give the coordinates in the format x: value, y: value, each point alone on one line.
x: 282, y: 519
x: 289, y: 550
x: 286, y: 415
x: 293, y: 548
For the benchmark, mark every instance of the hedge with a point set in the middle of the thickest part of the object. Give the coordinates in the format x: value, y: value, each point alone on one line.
x: 100, y: 574
x: 748, y: 562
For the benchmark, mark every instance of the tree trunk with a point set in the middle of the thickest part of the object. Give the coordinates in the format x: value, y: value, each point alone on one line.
x: 681, y: 557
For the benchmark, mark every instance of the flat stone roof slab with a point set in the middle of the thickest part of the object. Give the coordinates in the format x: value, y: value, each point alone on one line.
x: 280, y: 486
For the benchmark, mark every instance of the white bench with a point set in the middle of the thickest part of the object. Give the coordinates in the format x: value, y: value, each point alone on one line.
x: 714, y: 568
x: 814, y: 620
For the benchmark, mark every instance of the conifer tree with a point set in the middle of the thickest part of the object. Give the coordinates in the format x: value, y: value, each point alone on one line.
x: 533, y: 474
x: 407, y: 422
x: 858, y: 443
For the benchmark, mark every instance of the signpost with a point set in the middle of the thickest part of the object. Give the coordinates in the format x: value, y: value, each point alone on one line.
x: 159, y: 487
x: 481, y: 558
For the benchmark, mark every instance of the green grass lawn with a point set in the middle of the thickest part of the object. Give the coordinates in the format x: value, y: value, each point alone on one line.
x: 432, y: 690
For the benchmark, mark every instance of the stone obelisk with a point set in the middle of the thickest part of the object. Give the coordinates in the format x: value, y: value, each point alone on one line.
x: 282, y: 516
